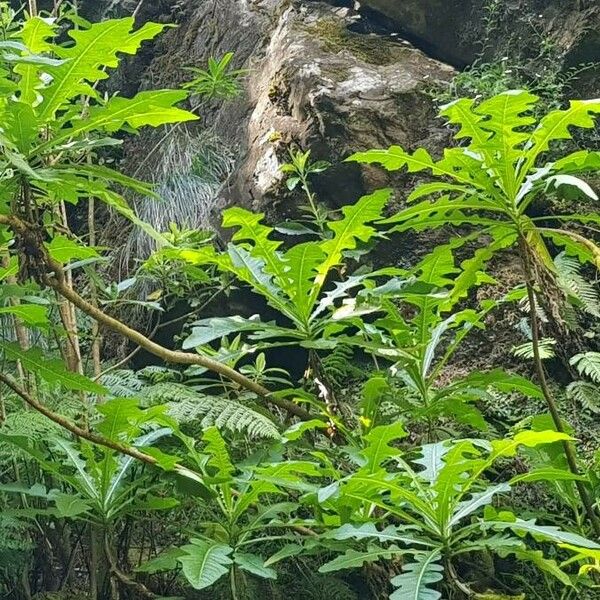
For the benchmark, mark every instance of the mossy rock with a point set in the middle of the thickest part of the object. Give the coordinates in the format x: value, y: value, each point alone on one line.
x: 335, y: 37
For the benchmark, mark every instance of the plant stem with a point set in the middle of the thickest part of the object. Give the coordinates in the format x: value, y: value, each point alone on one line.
x: 233, y: 584
x: 74, y: 429
x: 549, y: 398
x: 140, y: 588
x: 57, y: 280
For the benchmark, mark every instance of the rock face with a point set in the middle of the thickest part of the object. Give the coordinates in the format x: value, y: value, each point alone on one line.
x: 317, y: 85
x: 438, y: 25
x: 311, y: 84
x: 330, y: 78
x: 459, y: 31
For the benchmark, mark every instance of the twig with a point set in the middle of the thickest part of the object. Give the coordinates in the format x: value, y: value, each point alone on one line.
x: 160, y: 325
x: 126, y: 359
x: 135, y: 13
x: 123, y: 577
x: 58, y: 282
x: 72, y: 427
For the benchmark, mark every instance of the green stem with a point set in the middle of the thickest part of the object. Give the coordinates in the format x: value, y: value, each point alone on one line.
x: 233, y: 583
x: 550, y: 401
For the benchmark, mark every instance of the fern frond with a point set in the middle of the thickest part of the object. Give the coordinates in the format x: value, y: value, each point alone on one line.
x: 526, y: 350
x: 588, y: 365
x: 574, y: 284
x: 155, y: 374
x: 187, y: 406
x: 587, y: 394
x: 122, y: 383
x: 14, y: 534
x: 338, y: 365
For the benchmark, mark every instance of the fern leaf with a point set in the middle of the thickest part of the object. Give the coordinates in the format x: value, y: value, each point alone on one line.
x: 187, y: 405
x: 546, y: 347
x: 588, y: 364
x: 574, y: 284
x: 122, y: 383
x: 330, y: 588
x: 587, y: 394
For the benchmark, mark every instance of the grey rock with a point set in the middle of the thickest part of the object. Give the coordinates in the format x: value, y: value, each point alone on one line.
x: 311, y: 84
x: 460, y: 31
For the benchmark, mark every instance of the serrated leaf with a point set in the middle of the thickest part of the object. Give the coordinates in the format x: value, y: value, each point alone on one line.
x: 69, y: 506
x: 216, y: 447
x: 165, y: 561
x: 215, y: 328
x: 417, y: 577
x: 547, y: 533
x: 477, y: 500
x: 287, y: 551
x: 353, y: 559
x: 370, y: 531
x: 30, y: 314
x: 379, y: 448
x: 94, y: 49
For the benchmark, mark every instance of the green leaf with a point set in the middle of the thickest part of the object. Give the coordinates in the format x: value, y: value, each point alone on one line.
x: 188, y: 406
x: 250, y: 227
x: 151, y: 108
x: 37, y: 490
x: 287, y: 551
x: 165, y: 561
x: 302, y: 261
x: 548, y: 474
x: 476, y: 501
x: 204, y: 562
x: 432, y: 459
x: 297, y: 430
x: 379, y: 448
x: 547, y: 533
x: 94, y: 50
x: 63, y: 250
x: 369, y: 531
x: 122, y: 418
x: 30, y: 314
x: 215, y: 328
x: 70, y: 506
x: 254, y: 564
x: 216, y: 447
x: 353, y: 228
x: 570, y: 180
x: 84, y: 482
x: 51, y: 370
x: 530, y: 439
x: 586, y: 393
x: 417, y: 577
x: 353, y: 559
x: 504, y: 382
x: 588, y: 365
x: 556, y: 126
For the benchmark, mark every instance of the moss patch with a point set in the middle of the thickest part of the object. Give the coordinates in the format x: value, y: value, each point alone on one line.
x: 335, y: 37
